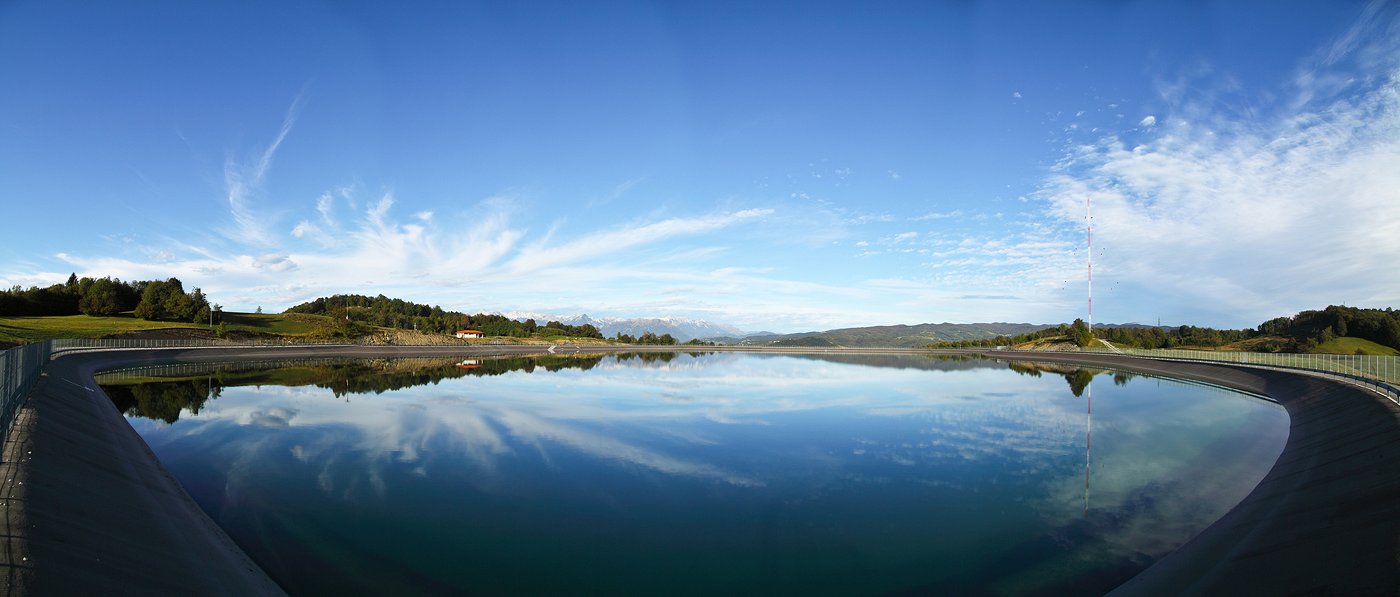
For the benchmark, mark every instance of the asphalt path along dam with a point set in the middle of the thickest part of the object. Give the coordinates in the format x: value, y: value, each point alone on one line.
x: 88, y: 509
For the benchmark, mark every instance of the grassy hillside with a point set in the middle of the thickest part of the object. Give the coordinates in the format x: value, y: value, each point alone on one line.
x: 22, y: 330
x: 1349, y: 345
x: 26, y: 329
x: 284, y: 324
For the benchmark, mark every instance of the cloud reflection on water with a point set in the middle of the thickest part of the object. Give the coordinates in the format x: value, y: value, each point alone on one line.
x: 1155, y: 475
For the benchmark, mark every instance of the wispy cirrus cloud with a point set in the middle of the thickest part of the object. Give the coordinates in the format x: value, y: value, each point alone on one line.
x: 937, y: 215
x: 244, y: 180
x: 353, y: 243
x: 594, y: 245
x: 1256, y: 217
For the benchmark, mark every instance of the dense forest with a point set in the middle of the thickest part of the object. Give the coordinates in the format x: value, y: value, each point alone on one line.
x: 1302, y: 332
x: 156, y: 300
x: 398, y: 313
x: 1310, y: 328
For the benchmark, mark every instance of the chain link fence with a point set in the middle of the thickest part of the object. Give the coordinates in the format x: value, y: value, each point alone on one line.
x: 19, y: 371
x: 62, y: 346
x: 20, y: 367
x: 1376, y: 372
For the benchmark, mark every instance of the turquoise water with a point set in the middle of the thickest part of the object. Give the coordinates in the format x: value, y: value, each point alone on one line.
x: 704, y: 474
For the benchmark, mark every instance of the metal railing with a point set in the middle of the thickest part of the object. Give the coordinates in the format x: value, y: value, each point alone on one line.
x: 1375, y: 372
x: 68, y: 345
x: 19, y: 371
x: 20, y: 367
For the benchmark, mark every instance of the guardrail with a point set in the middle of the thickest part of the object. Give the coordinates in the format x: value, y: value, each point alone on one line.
x: 19, y: 371
x: 1375, y: 372
x: 20, y: 367
x: 68, y: 345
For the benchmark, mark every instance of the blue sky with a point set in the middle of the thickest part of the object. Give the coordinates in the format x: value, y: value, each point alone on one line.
x: 783, y: 167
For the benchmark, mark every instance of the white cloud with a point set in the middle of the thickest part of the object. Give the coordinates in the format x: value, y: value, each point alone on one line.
x: 540, y: 256
x: 934, y: 215
x: 473, y: 259
x: 1256, y: 218
x: 1148, y: 121
x: 244, y: 181
x: 617, y: 192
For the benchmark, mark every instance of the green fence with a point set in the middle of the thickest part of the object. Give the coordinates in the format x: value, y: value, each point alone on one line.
x: 1379, y: 373
x: 20, y: 367
x: 81, y: 344
x: 19, y: 371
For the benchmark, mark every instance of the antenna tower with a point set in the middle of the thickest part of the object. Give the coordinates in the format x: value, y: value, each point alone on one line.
x: 1089, y: 389
x: 1089, y: 235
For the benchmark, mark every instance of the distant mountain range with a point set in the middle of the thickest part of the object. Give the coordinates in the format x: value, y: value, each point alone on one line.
x: 680, y: 328
x: 886, y: 336
x: 891, y: 336
x: 900, y: 336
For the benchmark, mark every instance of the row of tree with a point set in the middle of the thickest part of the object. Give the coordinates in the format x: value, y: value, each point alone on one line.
x: 1381, y: 326
x: 1156, y: 337
x: 398, y: 313
x: 156, y: 300
x: 647, y: 337
x: 1301, y: 332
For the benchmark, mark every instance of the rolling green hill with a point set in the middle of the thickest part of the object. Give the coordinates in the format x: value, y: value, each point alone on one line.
x: 894, y: 336
x: 25, y: 329
x: 1349, y: 345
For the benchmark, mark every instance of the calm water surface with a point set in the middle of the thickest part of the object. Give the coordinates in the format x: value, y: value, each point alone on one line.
x: 719, y: 473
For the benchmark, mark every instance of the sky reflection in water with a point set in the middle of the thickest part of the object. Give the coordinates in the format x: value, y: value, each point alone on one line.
x: 714, y: 473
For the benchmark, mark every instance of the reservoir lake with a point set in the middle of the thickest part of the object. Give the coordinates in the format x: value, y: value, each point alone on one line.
x: 700, y: 473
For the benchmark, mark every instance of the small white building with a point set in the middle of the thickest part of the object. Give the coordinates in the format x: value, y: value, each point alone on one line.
x: 469, y: 334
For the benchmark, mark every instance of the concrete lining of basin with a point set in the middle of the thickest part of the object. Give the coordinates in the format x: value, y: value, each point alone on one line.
x: 88, y: 508
x: 1325, y: 520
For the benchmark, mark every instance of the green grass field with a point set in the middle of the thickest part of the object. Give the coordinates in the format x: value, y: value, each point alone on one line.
x: 22, y: 330
x: 1349, y: 345
x: 285, y: 324
x: 35, y: 329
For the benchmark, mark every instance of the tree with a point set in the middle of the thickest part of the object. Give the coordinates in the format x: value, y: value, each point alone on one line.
x: 1080, y: 333
x: 101, y: 299
x: 199, y: 307
x: 165, y: 301
x: 152, y: 305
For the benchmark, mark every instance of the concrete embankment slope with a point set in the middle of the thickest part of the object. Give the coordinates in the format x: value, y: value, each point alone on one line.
x: 87, y: 508
x: 1325, y: 520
